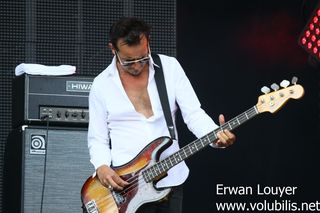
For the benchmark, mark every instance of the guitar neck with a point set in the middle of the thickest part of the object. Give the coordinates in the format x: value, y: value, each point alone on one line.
x: 160, y: 168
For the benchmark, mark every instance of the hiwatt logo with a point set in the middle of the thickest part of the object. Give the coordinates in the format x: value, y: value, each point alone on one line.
x: 38, y: 145
x: 78, y: 86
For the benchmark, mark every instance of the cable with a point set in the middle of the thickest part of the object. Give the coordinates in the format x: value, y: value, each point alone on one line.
x: 47, y: 118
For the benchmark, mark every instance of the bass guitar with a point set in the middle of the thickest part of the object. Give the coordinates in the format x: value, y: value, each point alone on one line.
x: 145, y: 169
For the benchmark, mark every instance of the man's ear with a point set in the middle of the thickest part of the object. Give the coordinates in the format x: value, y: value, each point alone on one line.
x: 112, y: 48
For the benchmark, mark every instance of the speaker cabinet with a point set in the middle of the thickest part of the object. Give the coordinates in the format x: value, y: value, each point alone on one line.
x: 48, y: 166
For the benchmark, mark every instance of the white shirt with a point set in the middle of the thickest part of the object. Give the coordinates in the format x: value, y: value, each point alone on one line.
x: 113, y: 117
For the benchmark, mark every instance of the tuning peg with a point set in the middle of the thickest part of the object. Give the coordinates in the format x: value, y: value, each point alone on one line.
x: 284, y: 83
x: 265, y: 90
x: 294, y: 80
x: 275, y: 86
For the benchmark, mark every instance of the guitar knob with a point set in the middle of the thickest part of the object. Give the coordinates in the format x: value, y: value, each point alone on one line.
x: 275, y: 86
x: 294, y: 80
x: 265, y: 90
x: 284, y: 83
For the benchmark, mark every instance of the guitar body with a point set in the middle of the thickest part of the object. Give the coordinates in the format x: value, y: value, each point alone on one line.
x: 99, y: 199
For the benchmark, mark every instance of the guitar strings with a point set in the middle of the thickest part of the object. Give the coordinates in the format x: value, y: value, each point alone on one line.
x: 134, y: 180
x: 132, y: 185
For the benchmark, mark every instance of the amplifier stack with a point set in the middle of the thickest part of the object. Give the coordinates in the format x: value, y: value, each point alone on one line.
x: 47, y: 158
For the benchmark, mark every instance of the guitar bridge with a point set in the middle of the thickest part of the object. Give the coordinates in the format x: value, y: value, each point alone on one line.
x: 118, y: 198
x: 91, y: 207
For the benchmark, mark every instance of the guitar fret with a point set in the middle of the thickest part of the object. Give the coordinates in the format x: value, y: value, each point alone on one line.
x: 149, y: 175
x: 238, y: 121
x: 157, y: 168
x: 246, y: 115
x: 145, y: 175
x: 187, y: 152
x: 170, y: 162
x: 215, y: 134
x: 173, y: 160
x: 160, y: 164
x: 234, y: 123
x: 190, y: 150
x: 176, y: 161
x: 165, y: 161
x: 208, y: 140
x: 201, y: 140
x: 196, y: 146
x: 154, y: 172
x: 177, y: 156
x: 185, y: 155
x: 161, y: 168
x: 212, y: 136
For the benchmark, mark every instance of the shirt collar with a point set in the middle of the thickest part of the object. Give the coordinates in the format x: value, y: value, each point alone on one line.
x: 112, y: 68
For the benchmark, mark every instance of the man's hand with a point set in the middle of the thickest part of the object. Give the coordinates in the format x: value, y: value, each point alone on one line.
x: 225, y: 137
x: 109, y: 178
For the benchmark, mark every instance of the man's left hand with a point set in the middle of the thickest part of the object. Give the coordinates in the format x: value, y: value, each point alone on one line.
x: 225, y: 137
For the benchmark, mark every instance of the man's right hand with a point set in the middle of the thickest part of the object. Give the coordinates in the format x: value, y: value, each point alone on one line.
x: 109, y: 178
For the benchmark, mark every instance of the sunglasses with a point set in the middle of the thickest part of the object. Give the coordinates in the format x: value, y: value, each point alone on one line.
x: 129, y: 63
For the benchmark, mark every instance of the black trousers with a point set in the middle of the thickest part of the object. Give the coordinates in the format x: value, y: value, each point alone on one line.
x: 173, y: 204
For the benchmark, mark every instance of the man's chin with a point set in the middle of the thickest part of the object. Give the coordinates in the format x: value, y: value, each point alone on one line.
x: 134, y: 72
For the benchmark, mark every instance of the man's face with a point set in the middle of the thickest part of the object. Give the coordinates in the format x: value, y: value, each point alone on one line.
x: 132, y: 59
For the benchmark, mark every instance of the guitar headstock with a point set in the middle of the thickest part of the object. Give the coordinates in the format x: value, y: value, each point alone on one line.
x: 273, y: 101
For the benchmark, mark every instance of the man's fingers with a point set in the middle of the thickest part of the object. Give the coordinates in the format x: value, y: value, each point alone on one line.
x: 120, y: 181
x: 222, y: 136
x: 115, y: 182
x: 225, y: 138
x: 221, y: 119
x: 229, y: 134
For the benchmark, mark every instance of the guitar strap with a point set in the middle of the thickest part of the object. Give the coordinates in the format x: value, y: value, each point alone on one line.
x: 162, y: 90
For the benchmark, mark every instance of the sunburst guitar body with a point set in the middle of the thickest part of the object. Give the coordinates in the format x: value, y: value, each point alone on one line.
x: 141, y: 189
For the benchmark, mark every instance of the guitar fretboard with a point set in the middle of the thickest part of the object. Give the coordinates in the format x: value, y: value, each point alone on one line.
x: 160, y: 168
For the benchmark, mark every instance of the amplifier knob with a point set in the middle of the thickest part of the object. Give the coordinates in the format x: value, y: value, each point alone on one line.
x: 83, y: 114
x: 74, y: 114
x: 66, y: 114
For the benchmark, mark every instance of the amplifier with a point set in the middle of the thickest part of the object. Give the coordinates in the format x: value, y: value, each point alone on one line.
x: 47, y: 166
x: 61, y: 99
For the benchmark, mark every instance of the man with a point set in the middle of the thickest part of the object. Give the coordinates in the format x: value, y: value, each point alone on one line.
x: 126, y: 113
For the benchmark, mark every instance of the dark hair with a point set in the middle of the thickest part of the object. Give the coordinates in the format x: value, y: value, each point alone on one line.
x: 130, y: 29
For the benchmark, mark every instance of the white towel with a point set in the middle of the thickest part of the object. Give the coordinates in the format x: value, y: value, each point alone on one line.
x: 39, y: 69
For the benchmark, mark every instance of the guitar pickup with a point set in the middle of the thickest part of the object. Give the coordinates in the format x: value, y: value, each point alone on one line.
x: 91, y: 207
